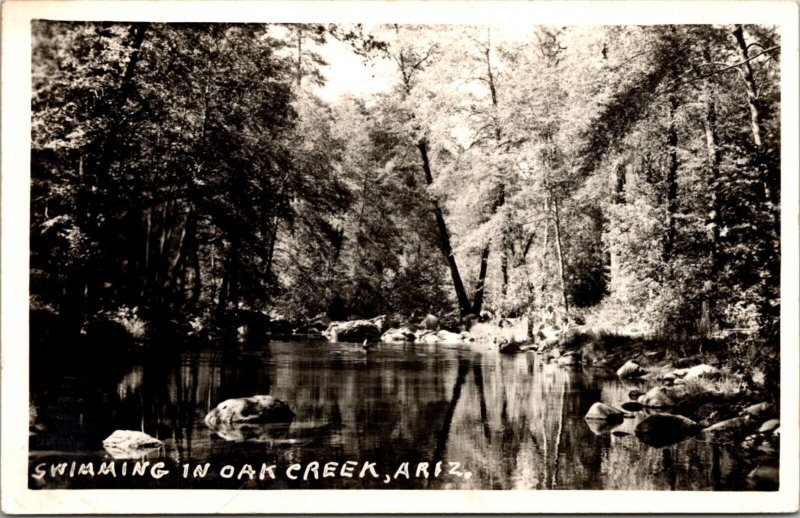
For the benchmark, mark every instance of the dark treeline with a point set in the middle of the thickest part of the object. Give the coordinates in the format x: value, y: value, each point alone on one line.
x: 620, y: 174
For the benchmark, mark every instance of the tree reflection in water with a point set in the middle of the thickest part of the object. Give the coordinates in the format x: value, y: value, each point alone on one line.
x: 512, y: 421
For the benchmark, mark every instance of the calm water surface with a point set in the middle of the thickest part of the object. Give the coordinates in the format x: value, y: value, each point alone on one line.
x: 512, y: 422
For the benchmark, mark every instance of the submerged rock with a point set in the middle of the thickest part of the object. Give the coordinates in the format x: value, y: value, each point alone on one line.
x: 630, y: 369
x: 130, y: 444
x: 255, y: 409
x: 660, y: 430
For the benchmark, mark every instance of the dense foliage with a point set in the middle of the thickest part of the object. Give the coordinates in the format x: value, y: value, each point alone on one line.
x: 620, y: 174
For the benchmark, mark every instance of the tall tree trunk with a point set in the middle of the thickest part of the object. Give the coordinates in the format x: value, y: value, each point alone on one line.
x: 545, y: 249
x: 671, y: 180
x: 713, y: 218
x: 444, y: 236
x: 504, y: 249
x: 501, y: 194
x: 559, y: 252
x: 480, y: 284
x: 768, y: 174
x: 477, y: 302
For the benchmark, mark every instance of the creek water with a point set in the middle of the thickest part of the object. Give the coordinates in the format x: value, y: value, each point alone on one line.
x: 510, y: 422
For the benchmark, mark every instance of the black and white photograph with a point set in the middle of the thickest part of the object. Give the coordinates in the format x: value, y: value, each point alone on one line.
x: 492, y: 254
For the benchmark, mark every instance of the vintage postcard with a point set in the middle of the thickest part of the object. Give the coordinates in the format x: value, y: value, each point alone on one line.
x: 399, y: 257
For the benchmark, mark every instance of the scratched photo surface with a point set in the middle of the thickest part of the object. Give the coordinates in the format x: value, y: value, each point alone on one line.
x: 341, y: 256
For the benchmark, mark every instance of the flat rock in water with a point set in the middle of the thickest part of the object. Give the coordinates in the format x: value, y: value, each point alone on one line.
x: 130, y: 444
x: 660, y: 430
x: 604, y: 412
x: 254, y: 409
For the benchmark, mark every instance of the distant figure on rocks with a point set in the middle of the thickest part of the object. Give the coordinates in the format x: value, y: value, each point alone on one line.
x: 366, y: 346
x: 430, y: 322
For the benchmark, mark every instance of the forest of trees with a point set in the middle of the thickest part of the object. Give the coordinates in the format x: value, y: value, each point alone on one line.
x: 626, y: 174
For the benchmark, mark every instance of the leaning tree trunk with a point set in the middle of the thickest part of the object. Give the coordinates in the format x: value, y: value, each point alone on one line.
x: 444, y: 236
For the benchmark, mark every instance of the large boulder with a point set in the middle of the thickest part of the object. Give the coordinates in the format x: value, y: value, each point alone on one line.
x: 130, y: 444
x: 254, y: 409
x: 354, y: 331
x: 604, y: 412
x: 630, y: 369
x: 659, y: 430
